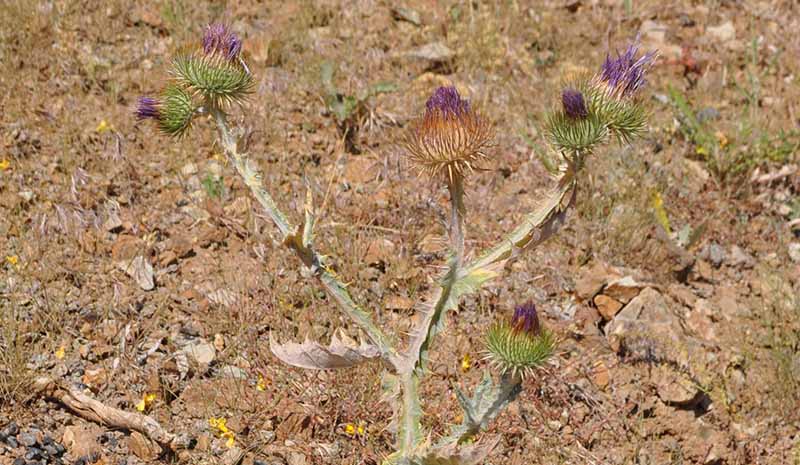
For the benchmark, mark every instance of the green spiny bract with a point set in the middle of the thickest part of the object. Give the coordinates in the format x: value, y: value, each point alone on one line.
x: 518, y: 353
x: 218, y: 80
x: 177, y: 111
x: 606, y: 114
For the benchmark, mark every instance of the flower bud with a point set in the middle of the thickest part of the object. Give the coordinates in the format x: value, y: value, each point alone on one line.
x: 574, y: 104
x: 521, y: 346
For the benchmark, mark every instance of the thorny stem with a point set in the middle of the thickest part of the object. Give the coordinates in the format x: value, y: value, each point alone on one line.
x: 411, y: 414
x: 335, y: 288
x: 457, y: 213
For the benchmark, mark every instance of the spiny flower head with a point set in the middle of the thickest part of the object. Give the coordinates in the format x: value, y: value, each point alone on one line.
x: 521, y: 346
x: 625, y: 74
x: 219, y: 39
x: 451, y: 139
x: 173, y: 112
x: 574, y: 103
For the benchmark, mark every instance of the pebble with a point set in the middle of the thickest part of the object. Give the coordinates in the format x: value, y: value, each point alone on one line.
x: 707, y: 114
x: 12, y: 442
x: 19, y: 461
x: 794, y: 252
x: 33, y: 453
x: 11, y: 429
x: 27, y: 439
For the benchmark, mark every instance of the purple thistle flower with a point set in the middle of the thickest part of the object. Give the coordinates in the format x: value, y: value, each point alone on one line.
x: 218, y: 39
x: 147, y: 108
x: 574, y: 104
x: 447, y: 101
x: 526, y: 319
x: 625, y: 74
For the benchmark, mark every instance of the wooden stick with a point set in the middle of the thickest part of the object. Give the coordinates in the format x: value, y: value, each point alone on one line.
x: 94, y: 410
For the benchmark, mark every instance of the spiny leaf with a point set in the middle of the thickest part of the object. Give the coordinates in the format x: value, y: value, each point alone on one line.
x: 483, y: 407
x: 445, y: 297
x: 341, y: 353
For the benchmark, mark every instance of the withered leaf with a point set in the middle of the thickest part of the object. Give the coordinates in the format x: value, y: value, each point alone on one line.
x: 343, y: 352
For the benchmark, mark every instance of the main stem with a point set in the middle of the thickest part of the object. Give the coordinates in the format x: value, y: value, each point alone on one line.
x: 457, y: 212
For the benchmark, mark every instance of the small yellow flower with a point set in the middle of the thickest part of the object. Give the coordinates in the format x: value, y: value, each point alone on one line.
x: 4, y: 164
x: 261, y: 385
x: 657, y: 203
x: 466, y: 363
x: 13, y: 260
x: 361, y: 429
x: 220, y: 424
x: 350, y: 429
x: 103, y: 127
x: 60, y: 352
x: 231, y: 439
x: 722, y: 139
x: 146, y: 402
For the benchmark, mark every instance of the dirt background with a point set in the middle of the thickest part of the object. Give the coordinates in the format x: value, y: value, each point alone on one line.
x: 691, y: 358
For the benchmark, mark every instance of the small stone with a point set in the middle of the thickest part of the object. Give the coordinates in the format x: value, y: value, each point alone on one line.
x: 51, y: 450
x: 623, y: 289
x: 600, y: 375
x: 33, y: 453
x: 794, y: 251
x: 707, y: 114
x: 230, y: 371
x: 143, y: 447
x: 19, y: 461
x: 607, y: 307
x: 674, y: 388
x: 12, y: 442
x: 740, y: 258
x: 296, y: 458
x: 715, y: 254
x: 11, y: 429
x: 27, y: 439
x: 189, y: 169
x: 593, y: 280
x: 201, y: 352
x: 724, y: 33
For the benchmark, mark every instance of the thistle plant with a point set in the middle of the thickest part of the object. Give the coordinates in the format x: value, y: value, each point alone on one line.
x: 449, y: 142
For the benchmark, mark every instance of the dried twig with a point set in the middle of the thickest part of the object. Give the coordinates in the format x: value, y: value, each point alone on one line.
x: 94, y: 410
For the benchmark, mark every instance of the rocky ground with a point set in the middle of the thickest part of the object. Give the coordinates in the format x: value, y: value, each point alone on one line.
x: 138, y: 271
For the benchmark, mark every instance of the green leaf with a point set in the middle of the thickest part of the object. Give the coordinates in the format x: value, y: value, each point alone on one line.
x: 384, y: 87
x: 326, y: 72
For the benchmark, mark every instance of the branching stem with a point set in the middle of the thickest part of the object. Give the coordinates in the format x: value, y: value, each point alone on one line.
x: 300, y: 241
